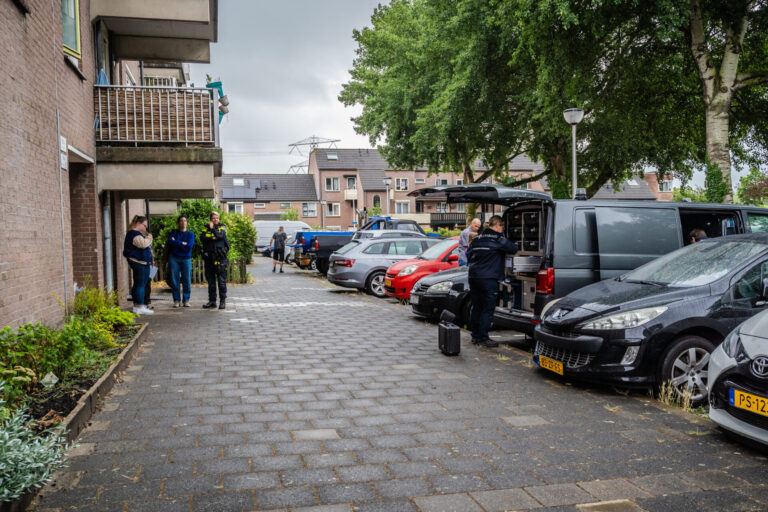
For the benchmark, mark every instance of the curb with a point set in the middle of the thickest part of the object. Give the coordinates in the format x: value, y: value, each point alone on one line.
x: 78, y: 418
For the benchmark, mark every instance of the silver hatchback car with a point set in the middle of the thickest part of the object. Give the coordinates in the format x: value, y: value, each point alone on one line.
x: 361, y: 264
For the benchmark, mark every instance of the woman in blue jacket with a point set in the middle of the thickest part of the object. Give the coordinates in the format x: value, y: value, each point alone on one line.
x: 180, y: 242
x: 137, y: 249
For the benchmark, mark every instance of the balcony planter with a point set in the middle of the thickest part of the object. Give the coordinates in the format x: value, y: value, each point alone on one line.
x: 86, y: 406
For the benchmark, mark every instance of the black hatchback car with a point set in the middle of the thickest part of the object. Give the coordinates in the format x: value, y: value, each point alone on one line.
x: 446, y: 290
x: 660, y: 322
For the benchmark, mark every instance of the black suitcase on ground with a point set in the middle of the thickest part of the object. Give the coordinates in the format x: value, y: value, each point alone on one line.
x: 449, y: 339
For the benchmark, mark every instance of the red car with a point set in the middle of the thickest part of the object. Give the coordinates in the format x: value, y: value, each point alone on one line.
x: 401, y: 276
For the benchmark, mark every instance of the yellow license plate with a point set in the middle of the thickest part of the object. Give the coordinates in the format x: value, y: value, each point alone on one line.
x: 388, y: 282
x: 551, y: 365
x: 749, y: 402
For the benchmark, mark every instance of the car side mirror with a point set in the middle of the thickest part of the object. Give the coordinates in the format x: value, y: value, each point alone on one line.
x: 453, y: 257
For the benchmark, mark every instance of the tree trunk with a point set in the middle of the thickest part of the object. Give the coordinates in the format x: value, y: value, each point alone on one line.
x: 718, y: 151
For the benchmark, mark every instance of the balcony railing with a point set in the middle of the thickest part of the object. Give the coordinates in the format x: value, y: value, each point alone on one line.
x: 439, y: 220
x: 156, y: 115
x: 350, y: 194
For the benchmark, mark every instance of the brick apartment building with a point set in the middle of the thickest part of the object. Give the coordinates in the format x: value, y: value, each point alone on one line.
x: 349, y: 179
x: 267, y: 196
x: 82, y: 144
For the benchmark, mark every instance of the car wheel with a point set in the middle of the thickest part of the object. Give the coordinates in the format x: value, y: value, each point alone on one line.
x: 685, y: 367
x: 313, y: 265
x: 322, y: 267
x: 375, y: 285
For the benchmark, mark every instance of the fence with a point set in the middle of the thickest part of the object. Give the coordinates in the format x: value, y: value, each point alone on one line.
x: 444, y: 220
x: 152, y: 115
x: 236, y: 272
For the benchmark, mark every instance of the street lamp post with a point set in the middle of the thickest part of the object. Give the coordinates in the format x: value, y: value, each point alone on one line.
x: 322, y: 212
x: 573, y: 116
x: 387, y: 183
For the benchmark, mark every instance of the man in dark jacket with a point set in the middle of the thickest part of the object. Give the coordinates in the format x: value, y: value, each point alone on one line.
x: 486, y: 268
x: 215, y: 247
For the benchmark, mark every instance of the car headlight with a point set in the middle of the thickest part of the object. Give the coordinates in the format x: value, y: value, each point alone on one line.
x: 410, y: 269
x: 626, y: 320
x: 734, y: 348
x: 441, y: 287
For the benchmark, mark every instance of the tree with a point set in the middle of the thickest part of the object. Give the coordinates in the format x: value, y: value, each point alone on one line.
x: 290, y: 214
x: 695, y: 195
x: 753, y: 188
x: 729, y: 44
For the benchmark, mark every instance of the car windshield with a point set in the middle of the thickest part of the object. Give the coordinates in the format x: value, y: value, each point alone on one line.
x: 436, y: 250
x: 362, y: 235
x: 348, y: 247
x: 697, y: 264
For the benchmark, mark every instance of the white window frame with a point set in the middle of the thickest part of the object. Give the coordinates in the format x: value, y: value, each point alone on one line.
x: 238, y: 182
x: 333, y: 181
x: 420, y: 181
x: 331, y: 208
x: 285, y: 206
x: 442, y: 207
x: 332, y: 156
x: 401, y: 184
x: 461, y: 207
x: 459, y: 181
x: 354, y: 183
x: 238, y: 208
x: 665, y: 186
x: 441, y: 182
x: 400, y: 204
x: 309, y: 209
x: 259, y: 205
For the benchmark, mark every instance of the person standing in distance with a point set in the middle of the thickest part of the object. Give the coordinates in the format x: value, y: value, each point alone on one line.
x: 486, y: 269
x: 215, y: 248
x: 137, y: 249
x: 180, y: 242
x: 473, y: 227
x: 277, y: 247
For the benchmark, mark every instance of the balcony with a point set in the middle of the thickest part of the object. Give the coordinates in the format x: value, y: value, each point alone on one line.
x: 350, y: 194
x: 445, y: 220
x: 157, y: 142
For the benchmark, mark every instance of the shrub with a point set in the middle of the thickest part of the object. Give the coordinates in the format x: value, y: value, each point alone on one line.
x: 27, y: 459
x: 290, y: 214
x: 241, y: 235
x: 115, y: 317
x: 90, y: 302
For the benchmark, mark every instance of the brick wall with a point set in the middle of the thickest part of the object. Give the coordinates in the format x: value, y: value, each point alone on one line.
x: 87, y: 241
x: 35, y: 80
x: 250, y: 210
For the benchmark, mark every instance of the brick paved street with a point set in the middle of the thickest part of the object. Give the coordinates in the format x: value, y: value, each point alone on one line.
x: 302, y: 396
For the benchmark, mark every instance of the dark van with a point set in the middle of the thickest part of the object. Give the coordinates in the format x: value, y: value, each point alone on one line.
x: 568, y: 244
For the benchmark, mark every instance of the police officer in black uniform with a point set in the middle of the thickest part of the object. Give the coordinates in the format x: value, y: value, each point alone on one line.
x: 215, y: 248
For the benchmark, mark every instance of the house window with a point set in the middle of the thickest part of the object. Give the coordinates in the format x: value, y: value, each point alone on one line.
x: 459, y: 181
x: 523, y: 186
x: 238, y: 182
x: 352, y: 183
x: 461, y: 207
x: 665, y: 186
x: 333, y: 210
x: 441, y: 181
x: 259, y: 205
x: 377, y: 201
x: 333, y: 156
x: 332, y: 184
x: 402, y: 206
x: 401, y: 184
x: 419, y: 206
x: 420, y: 181
x: 70, y: 22
x: 235, y: 207
x: 285, y: 206
x: 442, y: 208
x: 309, y: 209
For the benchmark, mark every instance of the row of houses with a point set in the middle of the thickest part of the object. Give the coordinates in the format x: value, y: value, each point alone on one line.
x: 98, y: 119
x: 340, y: 182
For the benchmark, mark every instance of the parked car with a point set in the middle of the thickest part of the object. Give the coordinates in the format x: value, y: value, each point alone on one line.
x: 446, y: 290
x: 738, y: 376
x: 386, y: 233
x: 567, y: 244
x: 362, y: 263
x: 266, y: 228
x: 400, y: 277
x: 377, y: 223
x: 658, y: 323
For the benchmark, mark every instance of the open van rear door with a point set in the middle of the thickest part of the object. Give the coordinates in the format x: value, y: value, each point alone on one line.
x: 482, y: 193
x: 628, y: 237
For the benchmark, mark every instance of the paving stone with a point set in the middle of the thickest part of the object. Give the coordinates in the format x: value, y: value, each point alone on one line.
x: 559, y: 494
x: 387, y: 506
x: 216, y: 466
x: 678, y: 503
x: 128, y: 492
x: 297, y: 477
x: 457, y: 483
x: 714, y: 479
x: 447, y: 503
x: 163, y: 505
x: 324, y: 508
x: 505, y: 499
x: 664, y: 484
x: 616, y: 489
x: 363, y: 473
x: 408, y: 469
x: 465, y: 465
x: 384, y: 455
x: 610, y: 506
x: 231, y: 502
x: 276, y: 462
x: 560, y: 474
x: 247, y: 450
x: 345, y: 493
x: 322, y: 460
x: 403, y: 488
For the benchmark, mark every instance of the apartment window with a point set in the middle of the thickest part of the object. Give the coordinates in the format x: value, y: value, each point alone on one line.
x: 238, y: 182
x: 401, y: 184
x: 332, y: 184
x: 377, y: 201
x: 665, y: 186
x: 333, y: 209
x: 309, y: 209
x: 419, y: 206
x: 441, y: 181
x: 352, y: 183
x: 459, y: 181
x: 402, y: 206
x: 523, y: 186
x: 259, y: 205
x: 235, y: 207
x: 420, y: 181
x: 461, y: 207
x: 285, y: 206
x: 333, y: 156
x: 70, y: 22
x: 442, y: 208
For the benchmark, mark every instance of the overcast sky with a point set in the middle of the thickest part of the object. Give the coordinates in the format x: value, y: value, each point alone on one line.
x: 282, y: 65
